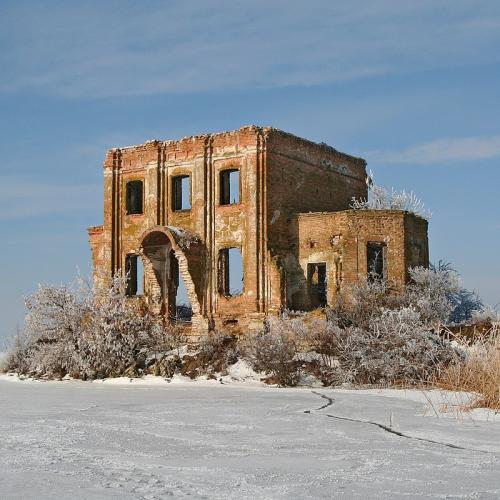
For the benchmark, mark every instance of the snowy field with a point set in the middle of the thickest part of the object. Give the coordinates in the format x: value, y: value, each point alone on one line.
x: 206, y: 440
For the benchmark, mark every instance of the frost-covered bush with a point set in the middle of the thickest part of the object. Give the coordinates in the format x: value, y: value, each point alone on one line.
x: 442, y: 282
x: 379, y: 334
x: 68, y: 332
x: 15, y: 359
x: 216, y: 352
x: 395, y: 347
x: 431, y: 293
x: 273, y: 349
x: 363, y: 301
x: 379, y: 198
x: 485, y: 314
x: 48, y: 345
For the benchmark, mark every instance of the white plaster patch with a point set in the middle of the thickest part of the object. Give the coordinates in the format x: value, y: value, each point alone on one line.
x: 275, y: 216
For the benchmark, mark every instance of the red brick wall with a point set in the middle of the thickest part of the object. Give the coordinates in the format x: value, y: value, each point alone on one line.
x: 342, y: 237
x: 281, y: 176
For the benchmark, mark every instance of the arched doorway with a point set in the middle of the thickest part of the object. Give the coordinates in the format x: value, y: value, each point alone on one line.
x: 169, y: 285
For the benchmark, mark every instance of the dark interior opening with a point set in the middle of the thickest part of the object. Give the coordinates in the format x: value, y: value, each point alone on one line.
x: 134, y: 274
x: 134, y: 197
x: 181, y: 193
x: 316, y: 279
x: 229, y: 187
x: 376, y: 260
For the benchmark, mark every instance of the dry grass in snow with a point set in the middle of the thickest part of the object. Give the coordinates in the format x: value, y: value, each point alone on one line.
x: 478, y: 373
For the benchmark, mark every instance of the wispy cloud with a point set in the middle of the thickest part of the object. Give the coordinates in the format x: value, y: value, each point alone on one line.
x: 117, y: 48
x: 24, y: 198
x: 441, y: 151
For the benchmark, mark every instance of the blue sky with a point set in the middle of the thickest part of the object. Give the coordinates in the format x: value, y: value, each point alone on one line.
x: 413, y: 87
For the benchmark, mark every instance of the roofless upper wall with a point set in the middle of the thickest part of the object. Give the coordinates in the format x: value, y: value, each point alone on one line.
x: 239, y: 194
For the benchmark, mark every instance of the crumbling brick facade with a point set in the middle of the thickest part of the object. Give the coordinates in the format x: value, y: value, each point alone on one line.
x: 173, y: 205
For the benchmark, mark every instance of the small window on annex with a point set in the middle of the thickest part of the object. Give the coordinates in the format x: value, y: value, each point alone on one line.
x: 230, y: 272
x: 134, y: 197
x: 316, y: 279
x: 229, y: 187
x: 376, y: 255
x: 134, y: 270
x: 181, y: 192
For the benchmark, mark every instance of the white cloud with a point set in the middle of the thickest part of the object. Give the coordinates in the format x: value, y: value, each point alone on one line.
x: 441, y: 151
x: 116, y: 48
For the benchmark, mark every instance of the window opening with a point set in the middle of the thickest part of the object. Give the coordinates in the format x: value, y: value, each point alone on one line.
x: 181, y: 193
x: 134, y: 270
x: 230, y: 272
x: 376, y: 254
x: 316, y: 278
x: 229, y: 187
x: 134, y: 197
x: 183, y: 309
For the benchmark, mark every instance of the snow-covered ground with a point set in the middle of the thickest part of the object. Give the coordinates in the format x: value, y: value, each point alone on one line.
x: 153, y: 439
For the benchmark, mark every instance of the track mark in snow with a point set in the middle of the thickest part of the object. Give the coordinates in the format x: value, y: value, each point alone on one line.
x: 324, y: 396
x: 89, y: 408
x: 390, y: 429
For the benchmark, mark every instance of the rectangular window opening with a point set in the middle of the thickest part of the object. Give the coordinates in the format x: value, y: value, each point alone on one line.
x: 134, y: 270
x: 134, y: 197
x: 316, y: 279
x: 229, y: 187
x: 181, y: 192
x: 230, y: 272
x: 376, y: 255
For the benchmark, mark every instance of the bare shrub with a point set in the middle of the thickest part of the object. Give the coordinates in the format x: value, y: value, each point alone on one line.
x: 53, y: 328
x: 68, y: 332
x: 363, y: 302
x: 165, y: 350
x: 377, y: 335
x: 485, y: 314
x: 403, y: 349
x: 396, y: 347
x: 478, y: 373
x: 273, y: 350
x: 430, y: 291
x: 330, y: 341
x: 15, y: 356
x: 216, y: 353
x: 379, y: 198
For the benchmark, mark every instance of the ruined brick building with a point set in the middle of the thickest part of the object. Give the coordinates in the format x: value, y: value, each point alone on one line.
x: 272, y: 206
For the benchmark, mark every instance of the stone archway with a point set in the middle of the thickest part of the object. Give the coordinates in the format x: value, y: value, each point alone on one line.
x: 163, y: 259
